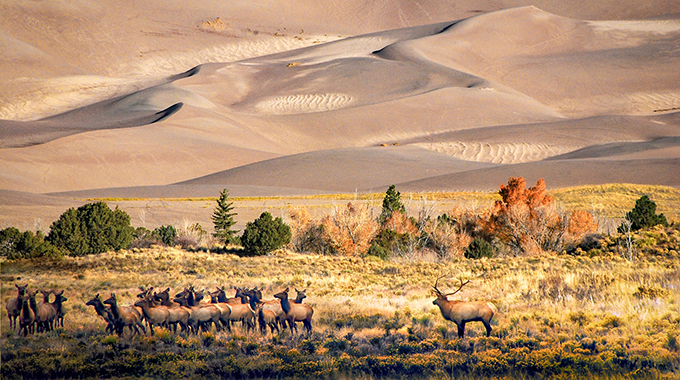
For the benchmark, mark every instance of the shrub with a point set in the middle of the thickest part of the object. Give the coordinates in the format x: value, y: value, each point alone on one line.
x: 349, y: 230
x: 391, y: 241
x: 143, y: 238
x: 223, y: 219
x: 643, y: 215
x: 192, y: 236
x: 306, y: 232
x: 15, y: 244
x: 265, y: 234
x: 165, y: 234
x: 448, y: 235
x: 92, y: 228
x: 377, y: 251
x: 479, y: 248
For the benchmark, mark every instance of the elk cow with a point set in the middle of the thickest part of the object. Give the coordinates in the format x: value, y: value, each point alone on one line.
x: 59, y: 307
x: 461, y: 312
x: 125, y: 316
x: 13, y: 306
x: 154, y: 315
x: 104, y: 312
x: 45, y: 313
x: 200, y: 316
x: 27, y: 315
x: 295, y: 312
x: 176, y: 312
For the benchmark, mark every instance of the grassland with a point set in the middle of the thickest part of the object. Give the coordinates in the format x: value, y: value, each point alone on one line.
x: 559, y: 316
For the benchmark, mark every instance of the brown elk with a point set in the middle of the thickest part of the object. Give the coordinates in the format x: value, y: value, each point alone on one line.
x: 45, y: 313
x: 154, y: 315
x: 461, y: 312
x: 274, y: 306
x: 264, y: 317
x: 104, y: 312
x: 13, y: 306
x: 220, y: 296
x: 125, y: 316
x: 219, y: 299
x: 177, y: 314
x: 59, y: 307
x: 242, y: 312
x: 295, y: 312
x: 200, y: 316
x: 27, y: 314
x: 301, y: 295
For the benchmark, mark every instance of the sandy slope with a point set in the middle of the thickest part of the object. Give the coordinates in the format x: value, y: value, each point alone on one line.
x: 113, y: 98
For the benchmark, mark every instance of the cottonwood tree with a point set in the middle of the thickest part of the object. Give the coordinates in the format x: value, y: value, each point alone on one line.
x: 528, y: 222
x: 223, y: 219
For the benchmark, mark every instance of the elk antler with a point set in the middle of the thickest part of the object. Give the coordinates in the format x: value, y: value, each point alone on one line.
x: 460, y: 287
x: 437, y: 291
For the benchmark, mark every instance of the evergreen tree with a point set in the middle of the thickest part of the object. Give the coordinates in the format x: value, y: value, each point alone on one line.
x: 92, y: 228
x: 391, y: 203
x: 265, y: 234
x: 223, y: 219
x: 643, y: 215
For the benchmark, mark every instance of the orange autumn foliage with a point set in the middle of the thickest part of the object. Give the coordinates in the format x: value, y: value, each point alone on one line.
x: 527, y: 220
x: 349, y: 230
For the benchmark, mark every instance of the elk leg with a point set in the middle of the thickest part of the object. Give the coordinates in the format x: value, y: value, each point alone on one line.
x: 461, y: 329
x: 488, y: 328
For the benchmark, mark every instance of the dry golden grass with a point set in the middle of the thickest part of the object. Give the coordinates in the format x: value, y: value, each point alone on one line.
x: 599, y: 312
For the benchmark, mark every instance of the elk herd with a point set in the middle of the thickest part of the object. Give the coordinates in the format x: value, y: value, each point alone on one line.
x: 196, y: 311
x: 35, y: 316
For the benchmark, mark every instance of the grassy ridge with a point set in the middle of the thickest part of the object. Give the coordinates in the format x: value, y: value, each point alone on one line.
x: 559, y: 316
x: 611, y: 200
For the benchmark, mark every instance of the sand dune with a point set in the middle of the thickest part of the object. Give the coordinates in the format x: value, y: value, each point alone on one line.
x: 498, y: 153
x: 339, y: 97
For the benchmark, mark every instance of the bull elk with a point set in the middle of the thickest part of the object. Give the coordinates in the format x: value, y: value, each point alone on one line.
x: 13, y: 306
x: 462, y: 312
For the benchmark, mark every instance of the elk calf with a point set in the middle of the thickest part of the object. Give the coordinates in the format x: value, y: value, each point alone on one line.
x: 461, y: 312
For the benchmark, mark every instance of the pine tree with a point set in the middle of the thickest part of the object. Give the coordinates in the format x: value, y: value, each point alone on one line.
x: 391, y: 203
x: 643, y: 215
x: 223, y: 219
